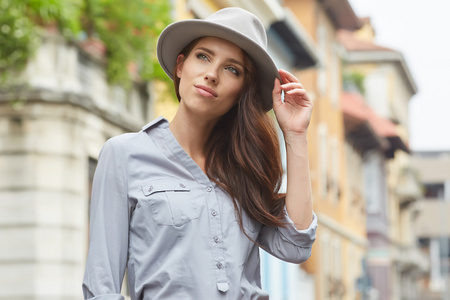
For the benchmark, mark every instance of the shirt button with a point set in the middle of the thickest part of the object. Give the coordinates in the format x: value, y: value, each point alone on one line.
x: 214, y: 213
x: 219, y: 265
x: 209, y: 189
x: 182, y: 185
x: 216, y: 239
x: 150, y: 189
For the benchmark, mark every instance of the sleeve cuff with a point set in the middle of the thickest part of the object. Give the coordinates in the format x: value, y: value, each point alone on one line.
x: 303, y: 238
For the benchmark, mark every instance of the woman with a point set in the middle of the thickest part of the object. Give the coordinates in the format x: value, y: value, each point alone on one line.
x: 184, y: 206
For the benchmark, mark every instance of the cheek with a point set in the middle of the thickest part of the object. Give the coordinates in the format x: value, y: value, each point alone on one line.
x: 234, y: 94
x: 181, y: 87
x: 236, y: 90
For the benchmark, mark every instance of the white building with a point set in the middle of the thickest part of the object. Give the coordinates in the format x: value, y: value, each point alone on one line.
x: 433, y: 224
x: 51, y: 132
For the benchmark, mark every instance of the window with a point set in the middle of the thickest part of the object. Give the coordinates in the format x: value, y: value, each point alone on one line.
x: 322, y: 53
x: 326, y: 267
x: 335, y: 169
x: 337, y: 287
x: 375, y: 183
x: 434, y: 190
x: 323, y: 160
x: 355, y: 182
x: 335, y: 78
x: 352, y: 270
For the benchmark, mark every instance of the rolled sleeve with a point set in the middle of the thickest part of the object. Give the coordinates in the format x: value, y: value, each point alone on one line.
x: 288, y: 243
x: 302, y: 238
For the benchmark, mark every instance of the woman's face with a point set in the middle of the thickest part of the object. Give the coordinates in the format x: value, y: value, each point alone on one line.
x: 211, y: 77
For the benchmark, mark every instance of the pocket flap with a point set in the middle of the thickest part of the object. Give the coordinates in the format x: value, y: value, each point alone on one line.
x: 165, y: 186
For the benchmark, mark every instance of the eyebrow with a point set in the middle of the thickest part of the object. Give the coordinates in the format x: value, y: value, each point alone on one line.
x: 232, y: 60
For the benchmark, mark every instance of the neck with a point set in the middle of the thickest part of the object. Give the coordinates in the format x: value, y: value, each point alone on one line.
x: 192, y: 134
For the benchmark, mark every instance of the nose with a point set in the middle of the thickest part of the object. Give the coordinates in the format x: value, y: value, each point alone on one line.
x: 211, y: 76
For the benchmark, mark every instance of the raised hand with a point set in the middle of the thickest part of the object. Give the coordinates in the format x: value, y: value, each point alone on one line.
x: 294, y: 113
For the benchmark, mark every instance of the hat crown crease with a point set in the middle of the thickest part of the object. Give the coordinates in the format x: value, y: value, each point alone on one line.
x: 241, y: 21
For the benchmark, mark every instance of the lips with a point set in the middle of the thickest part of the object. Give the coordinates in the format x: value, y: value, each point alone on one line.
x: 206, y: 91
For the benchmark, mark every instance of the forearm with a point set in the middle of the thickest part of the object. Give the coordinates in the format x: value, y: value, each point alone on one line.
x: 298, y: 194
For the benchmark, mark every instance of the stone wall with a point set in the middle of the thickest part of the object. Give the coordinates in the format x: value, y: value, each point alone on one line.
x: 51, y: 131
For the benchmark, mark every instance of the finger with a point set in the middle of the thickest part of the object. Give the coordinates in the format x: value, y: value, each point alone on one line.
x: 287, y: 77
x: 299, y: 97
x: 291, y: 85
x: 276, y: 92
x: 296, y: 91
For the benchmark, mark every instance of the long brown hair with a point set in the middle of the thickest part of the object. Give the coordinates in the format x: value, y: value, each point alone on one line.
x: 243, y: 155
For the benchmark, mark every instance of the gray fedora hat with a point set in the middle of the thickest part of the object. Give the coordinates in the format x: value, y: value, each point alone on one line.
x: 233, y: 24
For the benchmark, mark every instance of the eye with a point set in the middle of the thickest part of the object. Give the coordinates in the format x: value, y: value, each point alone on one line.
x: 233, y: 70
x: 202, y: 56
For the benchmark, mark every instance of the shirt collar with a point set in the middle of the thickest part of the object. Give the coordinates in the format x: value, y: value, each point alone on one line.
x: 154, y: 123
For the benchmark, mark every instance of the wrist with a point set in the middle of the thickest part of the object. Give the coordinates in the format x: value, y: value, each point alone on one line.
x: 295, y: 136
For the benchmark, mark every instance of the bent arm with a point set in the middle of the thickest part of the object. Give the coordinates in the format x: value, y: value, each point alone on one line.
x: 288, y: 243
x: 108, y: 231
x: 293, y: 115
x: 293, y: 242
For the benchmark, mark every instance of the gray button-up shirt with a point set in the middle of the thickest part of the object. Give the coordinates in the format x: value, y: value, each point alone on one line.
x: 155, y: 212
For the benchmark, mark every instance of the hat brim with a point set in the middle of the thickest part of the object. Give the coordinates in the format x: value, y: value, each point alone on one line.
x: 178, y: 35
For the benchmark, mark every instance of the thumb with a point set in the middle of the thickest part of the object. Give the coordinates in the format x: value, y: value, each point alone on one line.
x: 276, y: 93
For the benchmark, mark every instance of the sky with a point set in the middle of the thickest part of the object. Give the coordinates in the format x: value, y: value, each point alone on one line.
x: 421, y: 31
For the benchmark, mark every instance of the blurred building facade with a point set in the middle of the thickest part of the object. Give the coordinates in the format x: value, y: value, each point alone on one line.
x: 364, y: 190
x: 341, y: 245
x: 379, y: 87
x: 433, y: 225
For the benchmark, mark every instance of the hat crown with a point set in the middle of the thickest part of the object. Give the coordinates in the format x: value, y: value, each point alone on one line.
x: 241, y: 21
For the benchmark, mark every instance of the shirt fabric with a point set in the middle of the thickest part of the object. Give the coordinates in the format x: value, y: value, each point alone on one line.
x: 155, y: 212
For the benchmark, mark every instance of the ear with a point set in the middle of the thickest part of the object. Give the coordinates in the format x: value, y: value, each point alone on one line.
x: 180, y: 63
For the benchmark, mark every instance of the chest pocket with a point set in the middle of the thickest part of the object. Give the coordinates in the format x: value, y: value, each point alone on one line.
x: 171, y: 202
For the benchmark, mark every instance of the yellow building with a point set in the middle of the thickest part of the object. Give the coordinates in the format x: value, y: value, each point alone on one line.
x: 382, y: 76
x: 339, y: 252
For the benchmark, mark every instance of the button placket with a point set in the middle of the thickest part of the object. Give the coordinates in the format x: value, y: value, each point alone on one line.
x: 212, y: 200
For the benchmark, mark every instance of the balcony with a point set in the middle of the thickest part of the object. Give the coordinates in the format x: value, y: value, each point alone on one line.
x: 64, y: 72
x: 411, y: 259
x: 408, y: 188
x: 433, y: 219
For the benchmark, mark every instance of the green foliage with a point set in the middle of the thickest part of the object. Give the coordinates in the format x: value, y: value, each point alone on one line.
x: 129, y: 30
x: 16, y: 37
x: 354, y: 80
